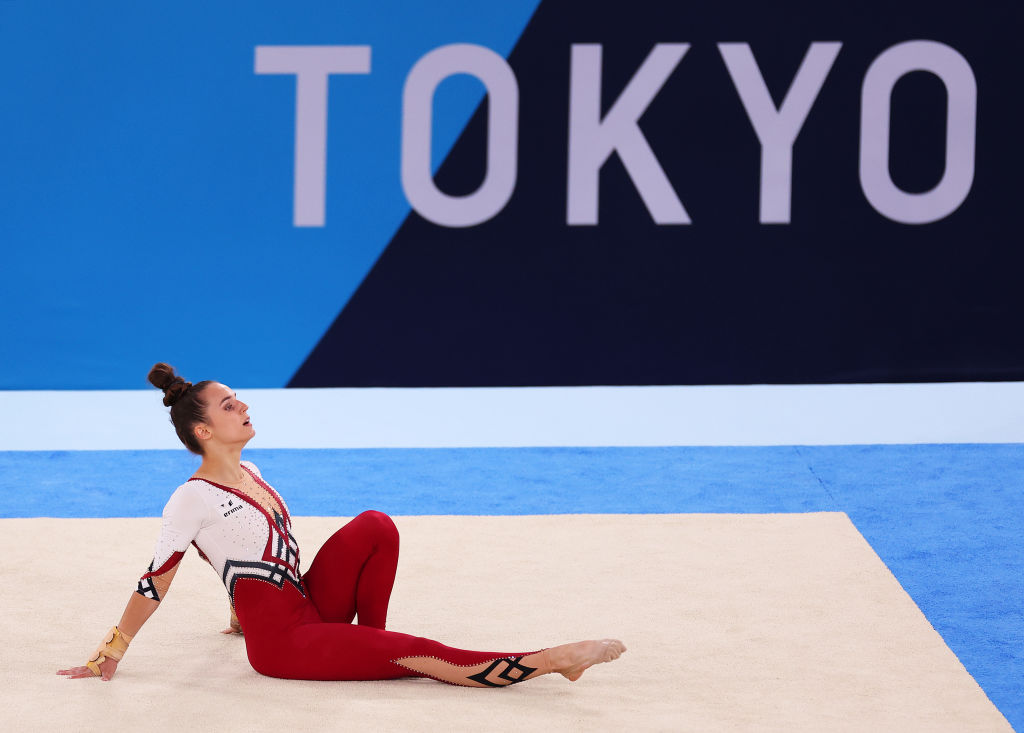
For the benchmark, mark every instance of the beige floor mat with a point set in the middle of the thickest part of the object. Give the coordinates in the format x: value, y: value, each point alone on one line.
x: 733, y: 622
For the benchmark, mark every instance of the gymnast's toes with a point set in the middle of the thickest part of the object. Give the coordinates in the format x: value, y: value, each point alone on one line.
x: 572, y: 660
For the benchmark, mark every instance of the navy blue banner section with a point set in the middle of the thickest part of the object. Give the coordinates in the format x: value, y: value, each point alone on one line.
x: 709, y: 194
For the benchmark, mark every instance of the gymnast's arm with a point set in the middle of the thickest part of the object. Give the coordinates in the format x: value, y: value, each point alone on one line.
x: 183, y: 516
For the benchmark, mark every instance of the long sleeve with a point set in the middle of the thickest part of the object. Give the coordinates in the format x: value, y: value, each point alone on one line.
x: 183, y: 517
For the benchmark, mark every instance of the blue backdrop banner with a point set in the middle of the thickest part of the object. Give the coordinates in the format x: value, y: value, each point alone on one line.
x: 520, y: 193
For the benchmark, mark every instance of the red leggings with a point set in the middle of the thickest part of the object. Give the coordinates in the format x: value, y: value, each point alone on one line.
x: 313, y: 637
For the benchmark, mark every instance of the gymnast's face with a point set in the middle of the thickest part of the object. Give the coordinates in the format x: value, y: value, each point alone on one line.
x: 227, y: 418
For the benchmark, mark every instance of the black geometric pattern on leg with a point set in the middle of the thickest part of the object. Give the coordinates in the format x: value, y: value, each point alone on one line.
x: 511, y: 671
x: 146, y: 588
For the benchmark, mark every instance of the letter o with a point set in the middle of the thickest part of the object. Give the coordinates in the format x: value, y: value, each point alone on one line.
x: 961, y: 119
x: 502, y: 135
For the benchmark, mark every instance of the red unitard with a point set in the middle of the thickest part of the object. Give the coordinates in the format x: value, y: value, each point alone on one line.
x: 300, y: 625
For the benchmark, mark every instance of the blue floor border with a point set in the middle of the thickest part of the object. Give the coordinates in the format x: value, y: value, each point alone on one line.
x: 948, y: 520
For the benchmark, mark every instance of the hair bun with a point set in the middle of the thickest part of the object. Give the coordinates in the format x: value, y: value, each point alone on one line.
x: 174, y: 391
x: 162, y: 376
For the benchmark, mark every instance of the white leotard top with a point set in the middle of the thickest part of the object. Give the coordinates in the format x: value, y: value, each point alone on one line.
x: 237, y: 535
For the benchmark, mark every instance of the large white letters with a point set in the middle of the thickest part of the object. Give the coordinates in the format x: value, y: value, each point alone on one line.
x: 961, y: 110
x: 592, y: 139
x: 777, y: 129
x: 502, y: 135
x: 311, y: 66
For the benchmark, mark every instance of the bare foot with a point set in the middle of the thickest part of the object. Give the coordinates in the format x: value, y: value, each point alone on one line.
x: 571, y: 660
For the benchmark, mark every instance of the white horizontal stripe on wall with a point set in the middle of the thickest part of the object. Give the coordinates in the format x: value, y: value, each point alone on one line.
x: 539, y: 416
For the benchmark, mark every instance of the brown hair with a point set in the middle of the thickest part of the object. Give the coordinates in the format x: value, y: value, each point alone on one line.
x: 187, y: 408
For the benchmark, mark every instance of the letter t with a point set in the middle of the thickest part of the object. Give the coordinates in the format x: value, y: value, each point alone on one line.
x: 311, y: 66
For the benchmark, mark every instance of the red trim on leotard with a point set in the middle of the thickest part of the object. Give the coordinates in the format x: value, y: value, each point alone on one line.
x: 174, y: 559
x: 273, y: 493
x: 244, y: 497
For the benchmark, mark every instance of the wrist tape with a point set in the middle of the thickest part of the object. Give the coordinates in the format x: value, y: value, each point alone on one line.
x: 113, y: 647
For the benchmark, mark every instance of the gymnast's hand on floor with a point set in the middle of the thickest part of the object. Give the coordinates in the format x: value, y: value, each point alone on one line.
x: 107, y: 669
x: 233, y: 626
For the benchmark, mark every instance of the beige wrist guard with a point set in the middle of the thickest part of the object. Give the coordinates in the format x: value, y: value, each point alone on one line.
x: 113, y: 647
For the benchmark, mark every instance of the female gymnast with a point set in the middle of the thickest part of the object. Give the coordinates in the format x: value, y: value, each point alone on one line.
x: 297, y: 625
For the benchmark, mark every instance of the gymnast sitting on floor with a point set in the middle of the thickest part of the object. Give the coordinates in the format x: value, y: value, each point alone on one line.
x: 297, y: 625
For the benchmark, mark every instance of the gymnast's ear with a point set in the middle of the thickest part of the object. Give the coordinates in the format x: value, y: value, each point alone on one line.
x: 202, y: 431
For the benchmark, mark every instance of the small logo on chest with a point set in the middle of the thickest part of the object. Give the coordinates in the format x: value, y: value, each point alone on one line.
x: 231, y: 507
